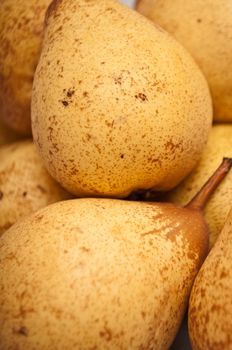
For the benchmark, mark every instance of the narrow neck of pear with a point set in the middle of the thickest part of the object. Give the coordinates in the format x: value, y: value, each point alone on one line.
x: 201, y: 198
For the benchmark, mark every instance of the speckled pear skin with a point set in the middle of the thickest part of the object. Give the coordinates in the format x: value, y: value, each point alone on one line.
x: 210, y: 44
x: 98, y: 274
x: 127, y: 107
x: 25, y: 184
x: 21, y: 28
x: 210, y: 309
x: 216, y: 211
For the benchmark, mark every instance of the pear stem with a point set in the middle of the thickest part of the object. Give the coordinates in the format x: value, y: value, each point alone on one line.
x: 201, y: 198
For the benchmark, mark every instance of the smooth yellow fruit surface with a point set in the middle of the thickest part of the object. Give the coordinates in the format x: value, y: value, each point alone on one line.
x: 204, y: 27
x: 210, y: 309
x: 25, y: 185
x: 117, y: 105
x: 98, y: 274
x: 219, y: 146
x: 21, y: 27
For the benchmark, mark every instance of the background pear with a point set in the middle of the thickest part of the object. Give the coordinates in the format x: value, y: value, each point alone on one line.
x: 210, y: 309
x: 132, y: 114
x: 25, y: 185
x: 217, y: 209
x: 204, y: 27
x: 7, y: 135
x: 21, y: 27
x: 107, y: 274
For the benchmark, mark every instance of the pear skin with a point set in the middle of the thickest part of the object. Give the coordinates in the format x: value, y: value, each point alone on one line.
x: 101, y: 273
x: 21, y: 32
x: 98, y: 274
x: 210, y: 308
x: 7, y: 135
x: 25, y: 184
x: 127, y: 106
x: 210, y: 44
x: 217, y: 209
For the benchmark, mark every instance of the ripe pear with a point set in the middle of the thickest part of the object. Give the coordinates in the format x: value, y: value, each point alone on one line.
x: 210, y: 44
x: 21, y: 27
x: 128, y: 108
x: 7, y: 135
x: 101, y: 273
x: 210, y: 309
x: 217, y: 209
x: 25, y: 185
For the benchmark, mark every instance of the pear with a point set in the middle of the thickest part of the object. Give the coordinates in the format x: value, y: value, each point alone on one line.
x: 21, y: 28
x: 216, y: 211
x: 7, y: 135
x: 101, y: 273
x: 210, y: 44
x: 25, y: 185
x: 117, y: 104
x: 210, y: 310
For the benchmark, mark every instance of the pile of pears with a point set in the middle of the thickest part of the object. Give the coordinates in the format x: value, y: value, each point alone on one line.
x: 115, y: 185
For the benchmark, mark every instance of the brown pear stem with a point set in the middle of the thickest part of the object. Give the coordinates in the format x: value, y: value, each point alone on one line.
x: 201, y: 198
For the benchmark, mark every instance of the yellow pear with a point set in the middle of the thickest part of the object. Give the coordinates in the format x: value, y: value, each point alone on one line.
x: 21, y: 27
x: 210, y: 310
x: 217, y: 209
x: 117, y: 104
x: 101, y: 273
x: 25, y: 185
x: 204, y: 27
